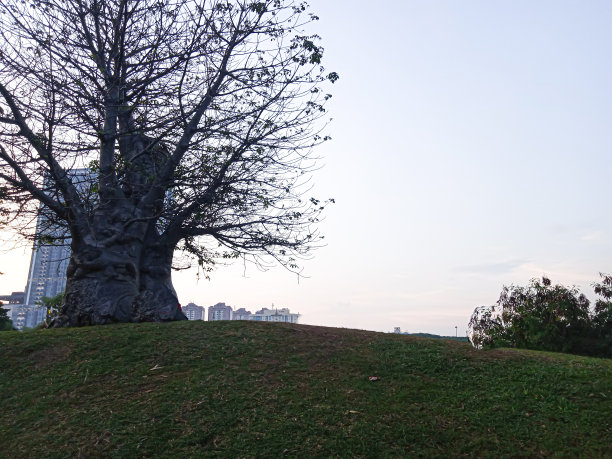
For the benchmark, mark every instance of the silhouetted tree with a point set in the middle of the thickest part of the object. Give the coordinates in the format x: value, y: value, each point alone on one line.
x: 195, y: 120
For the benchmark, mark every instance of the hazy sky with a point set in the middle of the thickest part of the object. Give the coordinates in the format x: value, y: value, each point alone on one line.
x: 471, y: 149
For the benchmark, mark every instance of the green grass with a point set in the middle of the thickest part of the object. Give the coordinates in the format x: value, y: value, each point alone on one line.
x: 246, y: 389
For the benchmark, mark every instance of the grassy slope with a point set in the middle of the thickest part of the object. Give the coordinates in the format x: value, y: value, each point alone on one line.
x: 235, y: 389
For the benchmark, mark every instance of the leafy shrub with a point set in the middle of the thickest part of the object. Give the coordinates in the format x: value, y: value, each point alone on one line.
x: 53, y: 305
x: 5, y: 322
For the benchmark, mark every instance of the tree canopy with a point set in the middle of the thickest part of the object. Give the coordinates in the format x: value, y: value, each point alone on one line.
x: 144, y: 127
x: 547, y: 317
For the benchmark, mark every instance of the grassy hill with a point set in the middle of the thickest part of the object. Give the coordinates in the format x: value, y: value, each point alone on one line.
x: 246, y: 389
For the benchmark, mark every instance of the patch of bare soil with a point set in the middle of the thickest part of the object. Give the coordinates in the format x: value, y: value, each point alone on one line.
x: 43, y: 358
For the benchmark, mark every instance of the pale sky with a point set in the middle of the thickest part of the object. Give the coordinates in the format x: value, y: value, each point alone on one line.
x: 471, y: 146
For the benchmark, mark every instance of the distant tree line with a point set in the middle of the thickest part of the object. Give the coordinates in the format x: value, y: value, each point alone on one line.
x: 547, y: 317
x: 433, y: 336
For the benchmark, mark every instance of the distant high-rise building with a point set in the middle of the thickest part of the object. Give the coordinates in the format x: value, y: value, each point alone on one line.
x: 34, y: 316
x: 276, y: 315
x: 13, y: 298
x: 49, y: 262
x: 47, y: 276
x: 267, y: 315
x: 18, y: 316
x: 23, y: 315
x: 194, y: 312
x: 12, y: 304
x: 241, y: 314
x: 220, y: 311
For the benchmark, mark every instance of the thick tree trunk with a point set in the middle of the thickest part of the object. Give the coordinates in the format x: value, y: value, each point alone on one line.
x: 157, y: 300
x: 110, y: 287
x: 101, y: 286
x: 127, y: 282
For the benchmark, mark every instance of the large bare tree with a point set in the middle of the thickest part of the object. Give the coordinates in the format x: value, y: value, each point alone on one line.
x: 194, y: 121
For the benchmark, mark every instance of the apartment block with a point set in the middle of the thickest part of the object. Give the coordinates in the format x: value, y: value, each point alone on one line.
x: 194, y: 312
x: 220, y: 311
x: 267, y: 315
x: 49, y: 262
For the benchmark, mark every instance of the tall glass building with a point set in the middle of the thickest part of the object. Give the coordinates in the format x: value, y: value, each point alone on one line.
x: 47, y: 275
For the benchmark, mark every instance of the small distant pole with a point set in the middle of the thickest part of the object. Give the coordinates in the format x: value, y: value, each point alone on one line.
x: 456, y: 336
